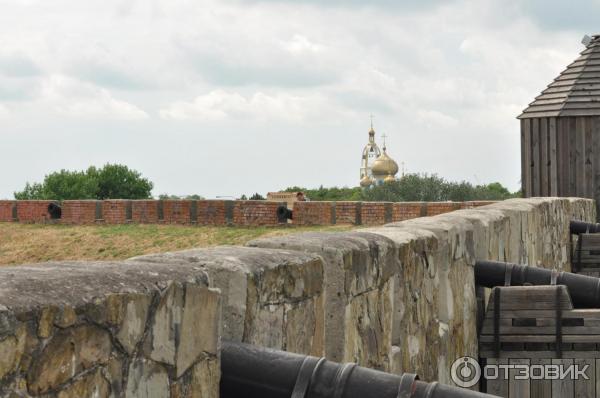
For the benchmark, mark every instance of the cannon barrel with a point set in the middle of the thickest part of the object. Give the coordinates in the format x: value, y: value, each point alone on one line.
x: 284, y: 214
x: 584, y: 290
x: 256, y: 372
x: 54, y: 210
x: 582, y: 227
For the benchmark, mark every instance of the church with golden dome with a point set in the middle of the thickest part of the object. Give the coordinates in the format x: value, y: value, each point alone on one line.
x: 377, y: 167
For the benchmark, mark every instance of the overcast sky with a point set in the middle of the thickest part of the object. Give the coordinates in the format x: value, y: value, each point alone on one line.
x: 228, y: 97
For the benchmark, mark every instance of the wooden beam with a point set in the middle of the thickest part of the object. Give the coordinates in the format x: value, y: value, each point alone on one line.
x: 526, y: 156
x: 580, y: 190
x: 572, y: 133
x: 544, y: 158
x: 535, y: 157
x: 553, y: 157
x: 588, y: 159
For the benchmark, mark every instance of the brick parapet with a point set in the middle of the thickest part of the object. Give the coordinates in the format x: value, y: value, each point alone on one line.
x: 224, y: 212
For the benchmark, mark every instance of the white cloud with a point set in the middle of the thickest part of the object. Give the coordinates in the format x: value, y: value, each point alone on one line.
x: 70, y: 97
x: 4, y: 112
x: 228, y: 105
x: 300, y: 45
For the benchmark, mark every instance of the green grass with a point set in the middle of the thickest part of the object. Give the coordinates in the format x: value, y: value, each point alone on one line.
x: 27, y: 243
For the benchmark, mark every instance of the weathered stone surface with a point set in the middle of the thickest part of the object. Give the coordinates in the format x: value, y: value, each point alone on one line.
x: 203, y: 376
x: 129, y: 313
x: 76, y: 284
x: 11, y: 351
x: 199, y: 331
x: 66, y: 317
x: 46, y: 321
x: 8, y: 355
x: 113, y: 372
x: 368, y: 324
x: 185, y: 325
x: 256, y: 285
x: 356, y: 263
x: 433, y: 295
x: 67, y: 354
x: 28, y: 339
x: 58, y: 322
x: 147, y: 379
x: 7, y: 320
x: 92, y: 385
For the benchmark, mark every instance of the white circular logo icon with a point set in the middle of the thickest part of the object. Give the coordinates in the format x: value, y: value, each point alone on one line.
x: 465, y: 372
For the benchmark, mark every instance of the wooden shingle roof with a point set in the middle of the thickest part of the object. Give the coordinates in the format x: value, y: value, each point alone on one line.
x: 576, y: 92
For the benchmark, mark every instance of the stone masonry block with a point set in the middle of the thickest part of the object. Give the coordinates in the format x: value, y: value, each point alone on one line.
x: 267, y: 294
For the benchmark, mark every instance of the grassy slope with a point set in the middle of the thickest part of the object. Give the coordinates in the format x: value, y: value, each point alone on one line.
x: 25, y: 243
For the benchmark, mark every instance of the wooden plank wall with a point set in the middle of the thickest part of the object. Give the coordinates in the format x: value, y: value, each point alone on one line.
x: 561, y: 157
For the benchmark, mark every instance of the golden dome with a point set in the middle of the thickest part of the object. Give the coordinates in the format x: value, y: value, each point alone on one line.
x: 366, y: 181
x: 389, y: 178
x: 384, y: 166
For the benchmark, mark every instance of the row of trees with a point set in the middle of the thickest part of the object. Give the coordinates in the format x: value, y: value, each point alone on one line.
x: 413, y: 187
x: 112, y: 181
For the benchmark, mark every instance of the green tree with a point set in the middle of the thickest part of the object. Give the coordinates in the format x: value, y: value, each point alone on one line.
x: 117, y: 181
x: 257, y: 196
x: 109, y: 182
x: 432, y: 188
x: 61, y: 185
x: 31, y: 191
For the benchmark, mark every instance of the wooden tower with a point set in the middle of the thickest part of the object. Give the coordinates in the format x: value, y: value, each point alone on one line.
x: 560, y: 132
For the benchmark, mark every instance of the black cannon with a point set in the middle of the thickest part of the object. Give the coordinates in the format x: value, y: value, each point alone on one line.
x: 256, y: 372
x: 584, y: 290
x: 55, y: 211
x: 581, y: 227
x: 284, y: 214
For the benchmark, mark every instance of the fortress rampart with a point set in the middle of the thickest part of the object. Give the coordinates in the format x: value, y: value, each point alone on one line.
x: 399, y: 297
x: 222, y: 212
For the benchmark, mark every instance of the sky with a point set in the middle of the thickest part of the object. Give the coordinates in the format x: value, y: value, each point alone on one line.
x: 228, y: 97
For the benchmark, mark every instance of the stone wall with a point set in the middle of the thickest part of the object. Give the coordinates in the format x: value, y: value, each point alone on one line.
x: 400, y: 297
x: 271, y: 298
x: 73, y: 330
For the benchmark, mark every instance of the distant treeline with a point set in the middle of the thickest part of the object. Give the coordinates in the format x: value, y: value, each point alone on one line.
x: 413, y: 188
x: 112, y: 181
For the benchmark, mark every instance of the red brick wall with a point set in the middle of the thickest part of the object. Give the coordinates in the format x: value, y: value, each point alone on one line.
x: 407, y: 210
x: 220, y: 212
x: 435, y: 208
x: 254, y: 212
x: 33, y: 210
x: 177, y: 211
x: 6, y: 210
x: 345, y: 212
x: 373, y: 213
x: 144, y: 211
x: 312, y: 213
x: 211, y: 212
x: 115, y: 211
x: 79, y: 211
